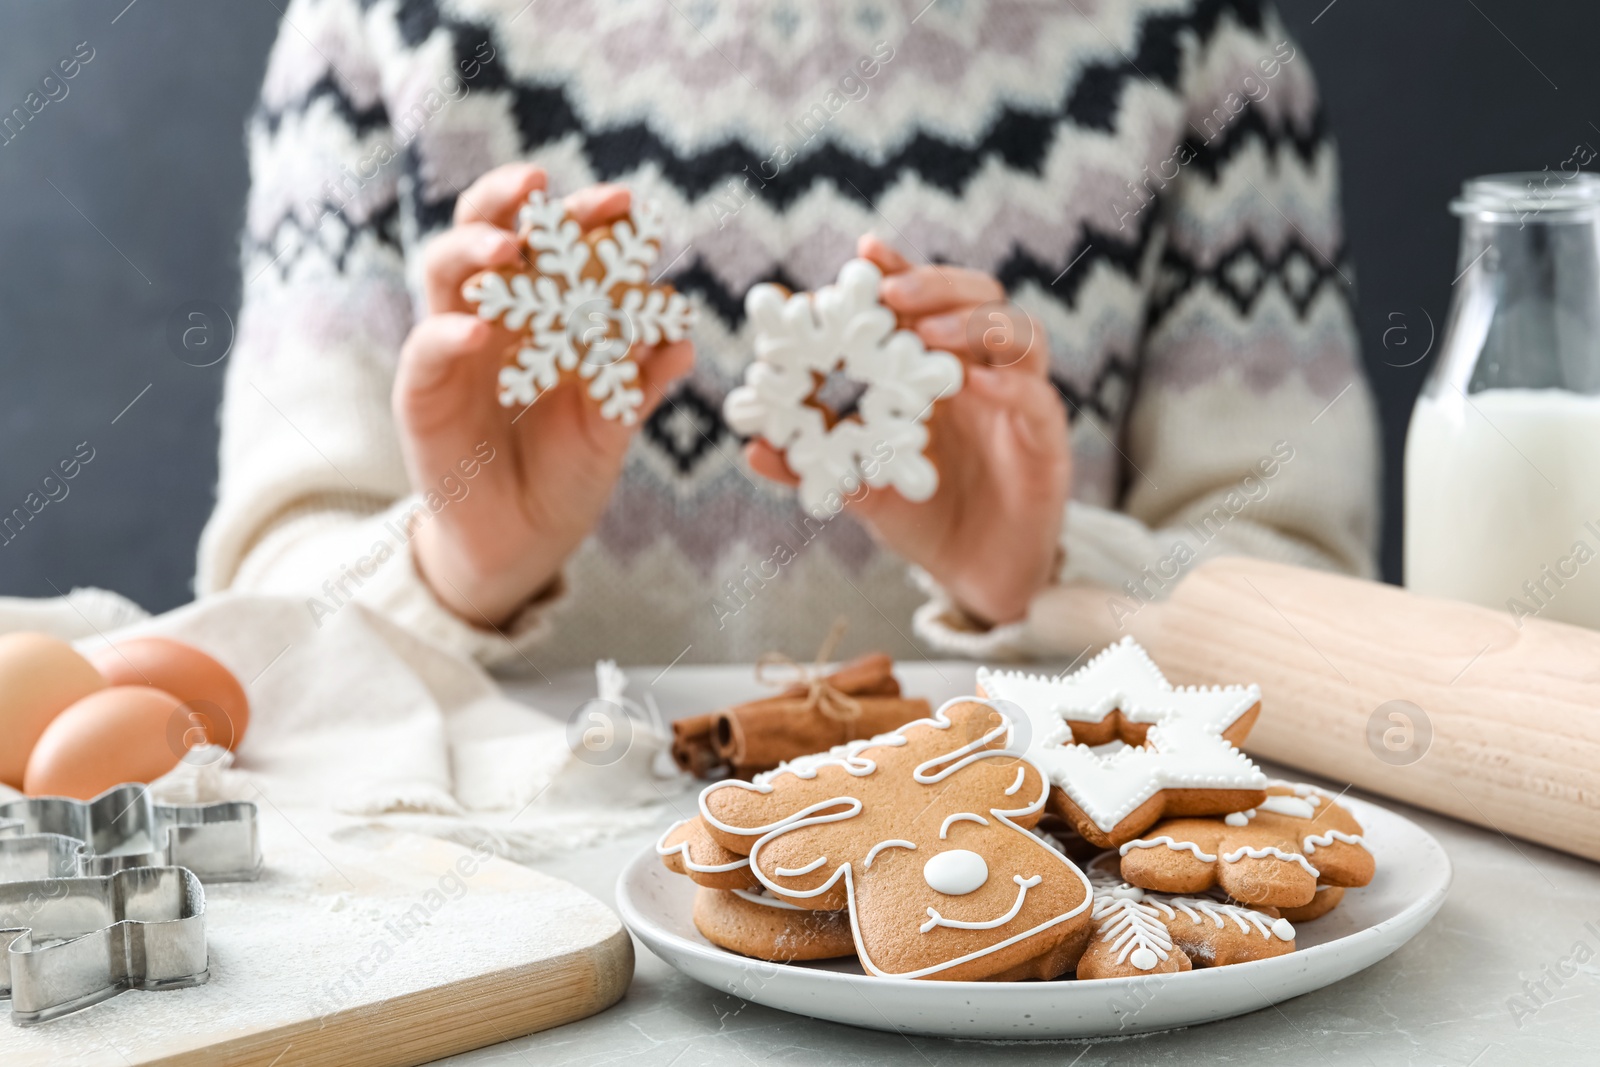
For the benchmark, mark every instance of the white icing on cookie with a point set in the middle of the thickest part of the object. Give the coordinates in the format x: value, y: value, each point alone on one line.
x: 1247, y: 919
x: 787, y: 872
x: 1122, y: 677
x: 803, y: 336
x: 872, y: 853
x: 1135, y: 919
x: 960, y: 816
x: 1316, y: 841
x: 767, y: 901
x: 576, y: 323
x: 955, y: 873
x: 1310, y: 793
x: 1293, y: 807
x: 682, y: 849
x: 1023, y: 885
x: 1176, y: 846
x: 1304, y: 805
x: 1022, y: 774
x: 1184, y: 747
x: 1276, y: 853
x: 1132, y: 925
x: 853, y: 759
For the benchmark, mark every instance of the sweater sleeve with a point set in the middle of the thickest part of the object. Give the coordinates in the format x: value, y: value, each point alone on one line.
x: 313, y: 500
x: 1251, y: 428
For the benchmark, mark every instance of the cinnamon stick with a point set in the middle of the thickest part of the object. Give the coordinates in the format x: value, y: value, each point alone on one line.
x: 692, y: 747
x: 761, y: 738
x: 871, y: 675
x: 760, y: 735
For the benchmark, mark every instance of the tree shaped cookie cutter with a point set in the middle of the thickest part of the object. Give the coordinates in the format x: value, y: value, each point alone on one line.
x: 123, y: 828
x: 68, y: 943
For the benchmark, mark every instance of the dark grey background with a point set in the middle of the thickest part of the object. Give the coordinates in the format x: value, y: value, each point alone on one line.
x: 123, y: 201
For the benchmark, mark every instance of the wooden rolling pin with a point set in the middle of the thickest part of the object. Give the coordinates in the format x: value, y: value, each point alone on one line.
x: 1508, y: 732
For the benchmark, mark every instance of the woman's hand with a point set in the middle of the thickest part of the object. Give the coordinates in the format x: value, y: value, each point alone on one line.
x: 989, y: 534
x: 554, y: 462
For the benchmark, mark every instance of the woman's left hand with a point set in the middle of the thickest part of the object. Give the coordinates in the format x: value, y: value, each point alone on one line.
x: 989, y: 535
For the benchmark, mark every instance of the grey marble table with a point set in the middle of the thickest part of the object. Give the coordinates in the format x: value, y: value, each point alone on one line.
x: 1507, y: 973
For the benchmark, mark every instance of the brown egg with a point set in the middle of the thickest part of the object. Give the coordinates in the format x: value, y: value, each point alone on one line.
x: 209, y: 688
x: 127, y: 733
x: 40, y: 676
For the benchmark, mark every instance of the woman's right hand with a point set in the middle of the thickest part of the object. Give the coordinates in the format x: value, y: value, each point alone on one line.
x: 545, y: 472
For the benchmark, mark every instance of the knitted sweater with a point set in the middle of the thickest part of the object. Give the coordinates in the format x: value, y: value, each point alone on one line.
x: 1151, y: 179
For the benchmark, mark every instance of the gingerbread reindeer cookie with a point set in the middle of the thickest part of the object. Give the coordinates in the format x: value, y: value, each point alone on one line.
x: 1276, y: 853
x: 582, y: 307
x: 1124, y: 748
x: 1140, y: 932
x: 922, y: 835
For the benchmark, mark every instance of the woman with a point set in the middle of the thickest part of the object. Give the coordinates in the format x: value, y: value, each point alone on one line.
x: 1134, y: 212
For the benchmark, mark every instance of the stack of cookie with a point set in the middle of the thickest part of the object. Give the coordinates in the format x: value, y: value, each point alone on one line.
x: 1206, y: 892
x: 921, y: 851
x: 1206, y: 853
x: 913, y: 851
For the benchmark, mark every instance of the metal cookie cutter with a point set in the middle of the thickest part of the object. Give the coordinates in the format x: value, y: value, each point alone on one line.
x: 123, y: 828
x: 67, y: 943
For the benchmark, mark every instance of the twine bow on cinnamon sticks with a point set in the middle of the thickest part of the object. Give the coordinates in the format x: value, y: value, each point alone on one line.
x: 813, y: 712
x: 821, y: 694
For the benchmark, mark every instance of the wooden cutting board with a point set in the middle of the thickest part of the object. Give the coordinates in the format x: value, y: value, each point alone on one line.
x: 359, y: 947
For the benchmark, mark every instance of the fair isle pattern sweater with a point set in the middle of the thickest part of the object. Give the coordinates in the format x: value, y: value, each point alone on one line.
x: 1151, y: 179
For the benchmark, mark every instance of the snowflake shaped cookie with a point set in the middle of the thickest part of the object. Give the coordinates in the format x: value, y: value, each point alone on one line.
x: 1122, y: 745
x: 801, y: 339
x: 584, y: 306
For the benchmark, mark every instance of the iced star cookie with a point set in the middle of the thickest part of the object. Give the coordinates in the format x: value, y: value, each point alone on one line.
x: 1140, y: 932
x: 801, y: 339
x: 686, y: 848
x: 923, y: 836
x: 1124, y: 748
x: 754, y: 923
x: 1275, y: 853
x: 582, y: 302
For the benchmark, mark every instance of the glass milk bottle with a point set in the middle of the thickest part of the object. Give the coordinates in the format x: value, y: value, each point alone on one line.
x: 1503, y: 456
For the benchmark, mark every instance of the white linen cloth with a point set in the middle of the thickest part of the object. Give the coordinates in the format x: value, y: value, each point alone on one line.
x: 353, y: 713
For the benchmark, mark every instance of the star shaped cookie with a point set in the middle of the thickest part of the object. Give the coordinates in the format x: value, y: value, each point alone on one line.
x: 1124, y: 748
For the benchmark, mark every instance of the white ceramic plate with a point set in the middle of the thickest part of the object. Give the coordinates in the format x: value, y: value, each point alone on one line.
x: 1412, y: 880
